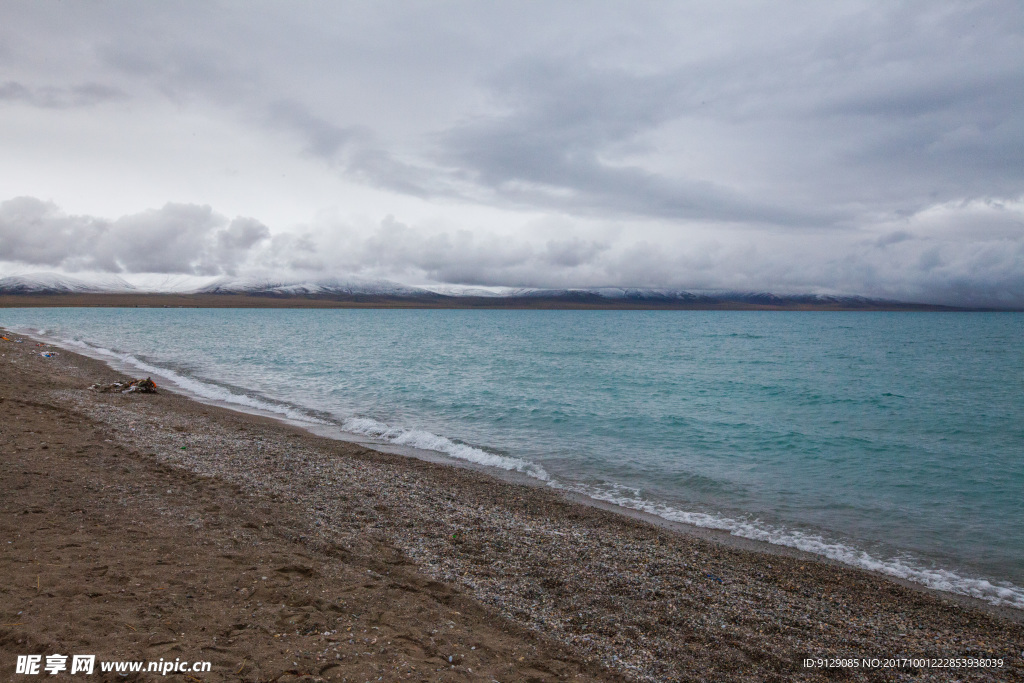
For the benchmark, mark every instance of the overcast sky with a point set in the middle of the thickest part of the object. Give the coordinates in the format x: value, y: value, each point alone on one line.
x: 852, y: 147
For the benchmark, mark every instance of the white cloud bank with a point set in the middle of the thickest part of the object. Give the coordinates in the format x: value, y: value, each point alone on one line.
x: 965, y: 253
x: 178, y: 238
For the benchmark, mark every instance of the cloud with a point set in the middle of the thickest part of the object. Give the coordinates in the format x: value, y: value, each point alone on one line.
x: 39, y: 233
x: 355, y: 152
x: 51, y: 97
x: 178, y: 238
x: 961, y: 253
x: 819, y: 117
x: 882, y: 111
x: 842, y: 146
x: 562, y: 118
x: 321, y: 138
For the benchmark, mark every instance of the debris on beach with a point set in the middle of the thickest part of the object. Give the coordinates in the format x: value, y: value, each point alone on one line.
x: 47, y: 354
x: 142, y: 386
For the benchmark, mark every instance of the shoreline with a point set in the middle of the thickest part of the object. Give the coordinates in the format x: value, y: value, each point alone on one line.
x: 333, y: 431
x: 648, y: 599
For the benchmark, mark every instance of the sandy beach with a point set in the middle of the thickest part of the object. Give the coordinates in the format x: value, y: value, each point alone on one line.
x: 140, y: 527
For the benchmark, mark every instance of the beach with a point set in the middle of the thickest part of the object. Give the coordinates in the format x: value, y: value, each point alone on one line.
x: 140, y: 527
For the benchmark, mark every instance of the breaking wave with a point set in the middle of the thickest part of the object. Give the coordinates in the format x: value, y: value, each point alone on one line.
x: 905, y: 567
x: 418, y: 438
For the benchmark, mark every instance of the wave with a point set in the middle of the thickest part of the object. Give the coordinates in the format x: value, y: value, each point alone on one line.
x: 418, y: 438
x: 399, y: 436
x: 903, y: 567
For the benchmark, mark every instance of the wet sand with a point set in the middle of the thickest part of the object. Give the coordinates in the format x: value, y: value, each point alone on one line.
x: 140, y: 526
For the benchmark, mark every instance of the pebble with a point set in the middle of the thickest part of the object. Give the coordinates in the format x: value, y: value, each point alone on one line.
x: 651, y: 604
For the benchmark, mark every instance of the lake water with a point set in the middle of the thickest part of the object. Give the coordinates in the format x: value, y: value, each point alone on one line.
x: 891, y: 441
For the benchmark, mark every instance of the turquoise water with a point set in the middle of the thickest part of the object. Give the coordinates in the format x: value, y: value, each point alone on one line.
x: 893, y: 441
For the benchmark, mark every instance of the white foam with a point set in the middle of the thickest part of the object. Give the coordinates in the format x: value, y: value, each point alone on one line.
x: 418, y: 438
x: 999, y: 593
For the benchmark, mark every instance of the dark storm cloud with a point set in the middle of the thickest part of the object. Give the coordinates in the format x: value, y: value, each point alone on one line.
x: 178, y: 238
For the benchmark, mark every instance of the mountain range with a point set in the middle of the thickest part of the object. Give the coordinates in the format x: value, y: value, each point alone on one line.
x: 366, y: 291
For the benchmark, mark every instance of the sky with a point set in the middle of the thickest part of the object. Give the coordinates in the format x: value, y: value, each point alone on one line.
x: 868, y: 148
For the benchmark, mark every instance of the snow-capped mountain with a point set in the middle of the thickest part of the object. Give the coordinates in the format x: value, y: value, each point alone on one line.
x: 54, y: 283
x: 159, y: 283
x: 167, y: 283
x: 479, y: 291
x: 350, y: 286
x: 386, y: 292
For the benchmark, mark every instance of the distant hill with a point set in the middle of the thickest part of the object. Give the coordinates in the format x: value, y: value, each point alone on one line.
x: 49, y: 289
